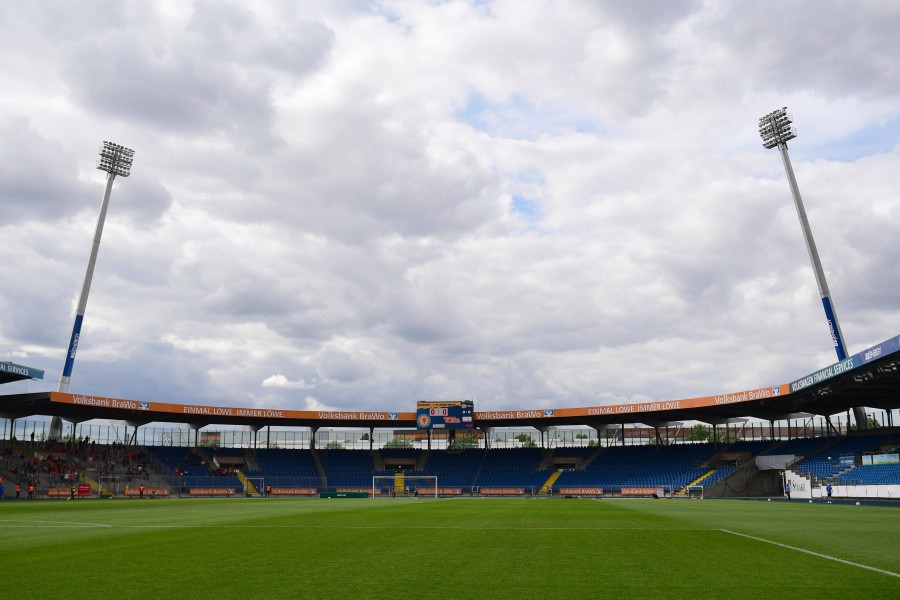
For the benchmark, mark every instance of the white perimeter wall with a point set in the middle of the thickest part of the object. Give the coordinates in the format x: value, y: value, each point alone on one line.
x: 801, y: 487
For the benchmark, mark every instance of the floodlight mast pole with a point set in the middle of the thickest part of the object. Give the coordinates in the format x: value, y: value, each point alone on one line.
x: 115, y: 160
x: 776, y: 129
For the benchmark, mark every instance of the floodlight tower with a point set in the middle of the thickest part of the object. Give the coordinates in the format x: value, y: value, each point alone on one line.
x: 115, y: 160
x: 776, y: 128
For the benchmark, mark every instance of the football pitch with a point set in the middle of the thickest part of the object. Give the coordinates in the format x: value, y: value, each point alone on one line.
x: 447, y: 548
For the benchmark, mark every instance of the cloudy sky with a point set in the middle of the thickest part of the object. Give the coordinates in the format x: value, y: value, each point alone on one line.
x: 351, y: 205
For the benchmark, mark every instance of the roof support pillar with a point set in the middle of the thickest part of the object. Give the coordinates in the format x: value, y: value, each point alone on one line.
x: 544, y: 429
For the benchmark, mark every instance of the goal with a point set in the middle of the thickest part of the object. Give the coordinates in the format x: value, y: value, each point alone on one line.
x: 107, y: 486
x: 694, y: 491
x: 255, y: 486
x: 405, y: 485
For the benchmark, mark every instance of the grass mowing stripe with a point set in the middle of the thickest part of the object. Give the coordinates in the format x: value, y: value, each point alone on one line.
x: 499, y: 548
x: 825, y: 556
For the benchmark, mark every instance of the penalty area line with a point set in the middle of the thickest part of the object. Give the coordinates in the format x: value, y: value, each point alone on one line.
x: 810, y: 552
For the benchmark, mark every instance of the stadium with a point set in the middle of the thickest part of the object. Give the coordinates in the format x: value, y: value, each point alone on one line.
x: 788, y: 489
x: 798, y: 436
x: 321, y: 504
x: 637, y: 499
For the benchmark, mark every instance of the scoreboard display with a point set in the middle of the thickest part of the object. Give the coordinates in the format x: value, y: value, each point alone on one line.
x: 445, y: 414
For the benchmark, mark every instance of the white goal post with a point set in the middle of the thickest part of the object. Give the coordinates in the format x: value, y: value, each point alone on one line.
x: 108, y: 485
x: 417, y: 485
x: 258, y: 483
x: 693, y: 491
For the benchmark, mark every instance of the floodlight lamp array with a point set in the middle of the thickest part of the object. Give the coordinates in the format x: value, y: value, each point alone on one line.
x: 776, y: 128
x: 115, y: 159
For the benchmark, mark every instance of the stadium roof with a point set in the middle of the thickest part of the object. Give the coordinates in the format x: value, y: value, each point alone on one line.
x: 870, y: 378
x: 10, y: 372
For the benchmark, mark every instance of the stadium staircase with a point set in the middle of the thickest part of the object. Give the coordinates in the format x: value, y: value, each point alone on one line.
x: 820, y: 466
x: 716, y: 459
x: 377, y: 460
x: 837, y: 474
x: 95, y: 485
x: 547, y: 461
x: 697, y: 481
x: 319, y: 469
x: 550, y: 481
x: 248, y: 485
x: 202, y: 453
x: 588, y: 460
x: 251, y: 464
x: 422, y: 459
x: 480, y: 466
x: 90, y: 474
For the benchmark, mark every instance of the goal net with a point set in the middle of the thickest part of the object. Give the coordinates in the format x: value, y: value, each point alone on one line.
x: 405, y: 485
x: 108, y: 485
x: 694, y: 491
x: 255, y: 486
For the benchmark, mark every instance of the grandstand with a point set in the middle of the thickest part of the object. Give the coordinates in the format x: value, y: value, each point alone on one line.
x: 456, y: 469
x: 286, y: 468
x: 630, y: 458
x: 189, y: 470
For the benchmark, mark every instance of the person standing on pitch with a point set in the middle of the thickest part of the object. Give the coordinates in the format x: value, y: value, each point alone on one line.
x: 828, y: 492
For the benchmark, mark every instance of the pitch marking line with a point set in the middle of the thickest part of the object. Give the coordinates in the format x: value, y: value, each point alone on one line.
x: 825, y: 556
x: 69, y: 524
x: 50, y: 524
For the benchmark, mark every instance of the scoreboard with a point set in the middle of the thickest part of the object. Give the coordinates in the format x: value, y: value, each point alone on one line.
x: 445, y: 414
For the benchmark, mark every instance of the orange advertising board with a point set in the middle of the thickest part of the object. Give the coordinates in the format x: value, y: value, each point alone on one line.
x: 212, y: 491
x: 81, y: 489
x: 580, y: 491
x: 155, y: 492
x: 294, y: 491
x: 635, y: 408
x: 442, y: 491
x: 357, y: 490
x: 502, y: 491
x: 227, y: 411
x: 643, y: 491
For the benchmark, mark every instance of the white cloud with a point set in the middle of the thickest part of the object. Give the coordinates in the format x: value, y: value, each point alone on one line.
x: 280, y: 381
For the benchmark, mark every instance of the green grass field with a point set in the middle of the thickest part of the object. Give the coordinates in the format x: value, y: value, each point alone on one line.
x: 459, y: 548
